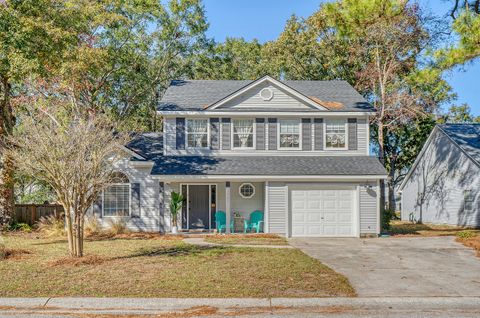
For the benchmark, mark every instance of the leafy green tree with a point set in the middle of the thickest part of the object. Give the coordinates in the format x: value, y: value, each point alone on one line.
x: 34, y: 37
x: 466, y: 29
x: 460, y: 114
x: 234, y: 59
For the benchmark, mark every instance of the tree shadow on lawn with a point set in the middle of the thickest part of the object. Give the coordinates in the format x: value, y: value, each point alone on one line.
x: 180, y: 250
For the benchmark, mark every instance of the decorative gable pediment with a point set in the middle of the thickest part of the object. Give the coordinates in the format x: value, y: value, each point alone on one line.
x: 266, y: 94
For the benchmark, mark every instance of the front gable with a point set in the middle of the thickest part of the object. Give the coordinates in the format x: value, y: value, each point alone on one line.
x: 266, y: 94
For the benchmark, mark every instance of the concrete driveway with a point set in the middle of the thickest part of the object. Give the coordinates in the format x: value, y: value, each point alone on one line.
x: 404, y: 267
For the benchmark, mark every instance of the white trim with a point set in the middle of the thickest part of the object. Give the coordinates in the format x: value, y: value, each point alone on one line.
x: 266, y: 225
x: 276, y: 114
x: 272, y: 81
x: 142, y: 163
x: 299, y: 148
x: 326, y: 186
x: 186, y: 134
x: 379, y: 230
x: 300, y: 178
x: 240, y: 190
x: 188, y: 184
x: 129, y: 201
x: 368, y: 135
x: 346, y: 136
x: 254, y: 132
x: 131, y: 152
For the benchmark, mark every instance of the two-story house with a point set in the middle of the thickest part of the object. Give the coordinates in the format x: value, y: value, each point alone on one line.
x: 296, y: 150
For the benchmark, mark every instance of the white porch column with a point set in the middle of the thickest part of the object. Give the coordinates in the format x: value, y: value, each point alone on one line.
x: 227, y: 206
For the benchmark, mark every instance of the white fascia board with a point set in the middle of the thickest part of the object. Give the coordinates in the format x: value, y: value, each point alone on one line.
x: 273, y: 81
x: 279, y: 114
x: 178, y: 178
x: 142, y: 163
x: 131, y: 152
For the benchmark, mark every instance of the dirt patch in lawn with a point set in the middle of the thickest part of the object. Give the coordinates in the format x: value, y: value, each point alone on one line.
x: 165, y: 268
x: 402, y: 228
x: 473, y: 242
x: 246, y: 239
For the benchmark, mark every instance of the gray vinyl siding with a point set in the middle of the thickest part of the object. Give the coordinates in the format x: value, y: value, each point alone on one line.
x: 368, y: 209
x: 281, y: 100
x: 145, y: 215
x: 277, y: 208
x: 435, y: 189
x: 266, y: 137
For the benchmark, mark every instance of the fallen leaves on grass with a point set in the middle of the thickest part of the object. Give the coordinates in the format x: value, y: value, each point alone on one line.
x: 473, y: 242
x: 9, y: 253
x: 78, y: 261
x: 247, y: 239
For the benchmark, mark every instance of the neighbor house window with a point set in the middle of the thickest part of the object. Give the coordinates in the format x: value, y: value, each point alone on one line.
x: 335, y: 134
x: 246, y: 190
x: 116, y: 197
x: 243, y: 133
x: 289, y: 134
x: 197, y: 133
x: 468, y: 200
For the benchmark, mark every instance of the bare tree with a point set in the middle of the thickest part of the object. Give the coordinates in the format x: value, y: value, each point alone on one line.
x: 71, y: 149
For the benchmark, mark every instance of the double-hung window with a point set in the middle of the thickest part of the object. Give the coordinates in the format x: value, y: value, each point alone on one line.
x: 116, y: 197
x: 289, y: 134
x: 243, y: 131
x: 197, y: 133
x: 335, y: 134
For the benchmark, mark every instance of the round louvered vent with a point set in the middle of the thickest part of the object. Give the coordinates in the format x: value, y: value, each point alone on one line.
x: 266, y: 94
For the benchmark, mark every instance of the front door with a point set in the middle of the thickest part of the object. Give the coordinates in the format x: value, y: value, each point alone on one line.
x: 198, y: 207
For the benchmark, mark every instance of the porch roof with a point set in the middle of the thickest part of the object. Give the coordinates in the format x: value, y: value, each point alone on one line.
x: 268, y: 165
x: 150, y: 146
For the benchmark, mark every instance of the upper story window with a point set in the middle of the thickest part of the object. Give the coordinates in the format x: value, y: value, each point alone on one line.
x: 289, y: 134
x: 243, y: 133
x: 335, y: 134
x: 197, y: 133
x: 116, y: 197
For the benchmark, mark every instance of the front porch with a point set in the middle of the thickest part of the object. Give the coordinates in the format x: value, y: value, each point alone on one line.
x: 232, y: 202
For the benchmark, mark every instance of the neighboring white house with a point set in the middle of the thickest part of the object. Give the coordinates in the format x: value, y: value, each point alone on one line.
x: 296, y: 150
x: 443, y: 185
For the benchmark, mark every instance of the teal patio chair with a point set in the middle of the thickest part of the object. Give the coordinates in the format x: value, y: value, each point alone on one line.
x: 221, y: 222
x: 256, y: 221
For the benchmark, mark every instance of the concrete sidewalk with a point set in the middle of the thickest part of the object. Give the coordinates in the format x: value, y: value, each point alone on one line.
x: 239, y: 307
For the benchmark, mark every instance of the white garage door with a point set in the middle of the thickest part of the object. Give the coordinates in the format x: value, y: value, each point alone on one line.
x: 323, y: 212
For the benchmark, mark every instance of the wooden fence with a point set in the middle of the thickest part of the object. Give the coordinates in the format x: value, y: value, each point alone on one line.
x: 31, y: 213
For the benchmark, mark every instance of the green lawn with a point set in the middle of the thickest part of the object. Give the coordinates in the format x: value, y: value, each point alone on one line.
x: 247, y: 239
x: 156, y: 267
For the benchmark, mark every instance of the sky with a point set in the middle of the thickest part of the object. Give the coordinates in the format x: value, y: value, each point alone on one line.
x: 265, y: 19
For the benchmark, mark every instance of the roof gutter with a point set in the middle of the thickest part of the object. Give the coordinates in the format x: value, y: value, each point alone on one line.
x: 176, y: 178
x: 206, y: 113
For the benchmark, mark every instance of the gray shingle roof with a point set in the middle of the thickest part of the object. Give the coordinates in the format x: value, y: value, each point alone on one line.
x: 150, y: 146
x: 196, y: 94
x: 466, y: 136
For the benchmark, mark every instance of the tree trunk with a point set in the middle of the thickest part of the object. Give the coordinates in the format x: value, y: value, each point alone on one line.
x: 391, y: 187
x: 7, y: 120
x: 69, y: 229
x: 381, y: 157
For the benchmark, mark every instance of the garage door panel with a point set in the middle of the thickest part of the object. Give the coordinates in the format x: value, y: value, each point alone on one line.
x: 322, y: 212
